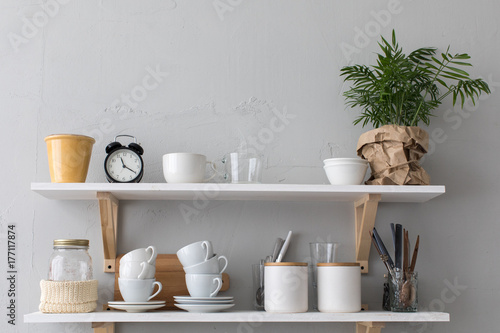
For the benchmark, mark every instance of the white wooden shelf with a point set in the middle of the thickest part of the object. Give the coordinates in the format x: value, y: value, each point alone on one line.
x: 365, y: 199
x: 236, y: 316
x: 212, y: 191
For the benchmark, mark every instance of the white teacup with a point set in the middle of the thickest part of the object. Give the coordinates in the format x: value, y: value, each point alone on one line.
x: 149, y: 255
x: 195, y: 253
x: 137, y: 270
x: 210, y: 266
x: 186, y: 168
x: 136, y: 290
x: 203, y: 285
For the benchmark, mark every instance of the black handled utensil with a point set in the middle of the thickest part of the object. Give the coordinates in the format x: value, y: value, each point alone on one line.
x: 398, y: 250
x: 382, y: 247
x: 393, y: 232
x: 384, y: 257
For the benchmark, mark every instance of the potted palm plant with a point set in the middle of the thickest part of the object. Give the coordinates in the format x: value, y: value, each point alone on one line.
x: 395, y: 96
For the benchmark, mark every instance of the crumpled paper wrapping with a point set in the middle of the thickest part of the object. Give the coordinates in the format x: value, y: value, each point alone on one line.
x: 393, y: 153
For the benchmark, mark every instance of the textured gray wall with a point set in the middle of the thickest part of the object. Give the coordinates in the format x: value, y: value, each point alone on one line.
x: 228, y: 69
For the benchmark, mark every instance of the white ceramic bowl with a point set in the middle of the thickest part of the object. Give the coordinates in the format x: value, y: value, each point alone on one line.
x: 344, y: 160
x: 346, y: 173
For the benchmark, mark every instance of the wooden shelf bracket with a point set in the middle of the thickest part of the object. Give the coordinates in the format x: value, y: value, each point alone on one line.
x: 369, y: 327
x: 108, y: 209
x: 103, y: 327
x: 365, y: 212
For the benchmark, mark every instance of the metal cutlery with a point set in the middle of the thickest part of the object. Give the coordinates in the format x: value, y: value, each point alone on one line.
x: 277, y: 248
x: 284, y: 248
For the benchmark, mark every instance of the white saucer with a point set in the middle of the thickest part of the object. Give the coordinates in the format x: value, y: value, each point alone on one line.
x: 203, y: 301
x: 216, y: 298
x: 204, y: 307
x: 136, y: 303
x: 135, y: 307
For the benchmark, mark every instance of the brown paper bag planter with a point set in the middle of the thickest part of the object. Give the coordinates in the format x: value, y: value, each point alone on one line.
x: 394, y: 153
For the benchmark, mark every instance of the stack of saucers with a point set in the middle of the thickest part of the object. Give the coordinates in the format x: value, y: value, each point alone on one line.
x: 137, y: 306
x: 204, y: 304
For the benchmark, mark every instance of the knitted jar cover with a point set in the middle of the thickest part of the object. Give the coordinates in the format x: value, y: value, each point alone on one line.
x: 68, y: 296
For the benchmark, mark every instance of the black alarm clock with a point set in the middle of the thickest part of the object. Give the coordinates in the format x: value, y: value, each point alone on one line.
x: 124, y: 164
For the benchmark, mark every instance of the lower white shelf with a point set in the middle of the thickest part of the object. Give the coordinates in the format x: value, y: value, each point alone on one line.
x: 235, y: 316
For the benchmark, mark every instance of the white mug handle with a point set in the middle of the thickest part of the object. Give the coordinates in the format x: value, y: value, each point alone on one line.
x: 219, y: 285
x: 153, y: 254
x: 225, y: 266
x: 142, y: 275
x: 214, y: 168
x: 159, y: 289
x: 207, y: 245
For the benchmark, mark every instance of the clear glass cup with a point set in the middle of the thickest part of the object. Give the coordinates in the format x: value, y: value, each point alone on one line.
x: 258, y: 286
x: 321, y: 252
x: 70, y: 261
x: 403, y: 292
x: 243, y: 168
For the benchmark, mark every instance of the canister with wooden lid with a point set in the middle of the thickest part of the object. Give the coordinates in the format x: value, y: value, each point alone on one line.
x: 286, y: 287
x: 339, y: 287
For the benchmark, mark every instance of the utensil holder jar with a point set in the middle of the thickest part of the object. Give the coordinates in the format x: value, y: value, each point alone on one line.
x: 403, y: 290
x: 339, y: 287
x: 286, y: 285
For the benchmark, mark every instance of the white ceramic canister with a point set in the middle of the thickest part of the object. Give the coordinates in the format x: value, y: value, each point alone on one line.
x: 339, y: 287
x: 285, y: 287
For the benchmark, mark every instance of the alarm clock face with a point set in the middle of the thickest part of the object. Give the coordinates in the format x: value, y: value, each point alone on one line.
x: 124, y: 165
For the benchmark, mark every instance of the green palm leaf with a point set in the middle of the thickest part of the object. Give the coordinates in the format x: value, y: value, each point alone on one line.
x: 403, y: 89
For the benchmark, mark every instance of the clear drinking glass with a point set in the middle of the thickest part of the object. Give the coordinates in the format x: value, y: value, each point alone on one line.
x: 403, y: 292
x: 323, y: 252
x: 258, y: 286
x: 243, y: 168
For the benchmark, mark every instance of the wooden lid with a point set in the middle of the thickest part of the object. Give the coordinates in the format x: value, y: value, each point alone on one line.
x: 337, y: 264
x: 285, y: 264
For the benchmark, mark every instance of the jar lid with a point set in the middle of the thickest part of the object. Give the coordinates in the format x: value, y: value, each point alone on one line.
x: 337, y: 264
x: 71, y: 242
x: 285, y: 264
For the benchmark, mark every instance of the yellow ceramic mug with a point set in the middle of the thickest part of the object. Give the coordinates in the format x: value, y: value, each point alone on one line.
x: 69, y: 157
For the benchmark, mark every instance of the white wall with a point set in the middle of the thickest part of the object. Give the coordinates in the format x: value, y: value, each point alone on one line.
x: 225, y: 78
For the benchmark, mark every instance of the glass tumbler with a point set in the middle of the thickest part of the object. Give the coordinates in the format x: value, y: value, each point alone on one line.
x: 321, y: 252
x: 258, y: 286
x: 403, y: 292
x: 243, y: 168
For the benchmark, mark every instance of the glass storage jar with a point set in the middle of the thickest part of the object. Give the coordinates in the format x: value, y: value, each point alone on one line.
x: 70, y: 261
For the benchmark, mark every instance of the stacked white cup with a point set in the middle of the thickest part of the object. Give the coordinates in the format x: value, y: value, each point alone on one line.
x: 202, y: 267
x: 137, y: 275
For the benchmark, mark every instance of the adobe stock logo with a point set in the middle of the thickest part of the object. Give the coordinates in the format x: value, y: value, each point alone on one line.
x: 40, y: 19
x: 266, y: 135
x: 223, y: 6
x: 140, y: 92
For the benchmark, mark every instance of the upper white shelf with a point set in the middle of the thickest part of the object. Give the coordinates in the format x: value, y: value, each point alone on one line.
x: 236, y: 316
x: 212, y: 191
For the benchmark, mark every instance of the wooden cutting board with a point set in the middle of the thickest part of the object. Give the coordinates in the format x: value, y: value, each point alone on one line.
x: 172, y: 277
